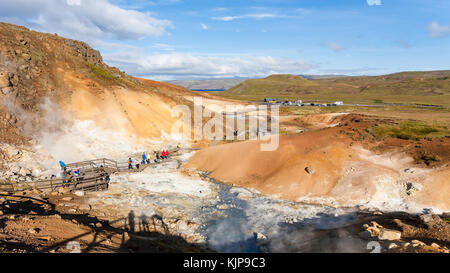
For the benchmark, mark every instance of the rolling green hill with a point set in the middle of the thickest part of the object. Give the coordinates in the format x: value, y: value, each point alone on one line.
x: 406, y: 87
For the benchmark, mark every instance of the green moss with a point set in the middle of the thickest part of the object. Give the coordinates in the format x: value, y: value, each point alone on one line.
x: 101, y: 72
x: 408, y: 130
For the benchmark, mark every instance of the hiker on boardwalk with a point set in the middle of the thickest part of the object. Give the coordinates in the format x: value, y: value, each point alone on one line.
x: 163, y: 154
x: 144, y: 158
x: 157, y: 157
x: 63, y: 166
x: 130, y: 163
x: 167, y: 154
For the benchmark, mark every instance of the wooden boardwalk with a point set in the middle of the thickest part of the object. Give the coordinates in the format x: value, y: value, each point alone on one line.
x: 94, y: 176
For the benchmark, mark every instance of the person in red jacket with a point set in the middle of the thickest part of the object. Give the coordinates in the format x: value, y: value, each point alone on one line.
x: 163, y: 154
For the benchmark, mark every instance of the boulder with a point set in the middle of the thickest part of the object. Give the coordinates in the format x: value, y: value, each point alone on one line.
x: 69, y: 198
x: 4, y: 80
x: 426, y: 218
x: 416, y: 243
x: 6, y: 90
x: 412, y: 188
x: 374, y: 231
x: 14, y: 79
x: 430, y: 219
x: 26, y: 56
x: 223, y: 206
x: 84, y: 207
x: 393, y: 245
x: 14, y: 168
x: 309, y: 170
x: 388, y: 234
x: 64, y: 190
x: 434, y: 245
x: 79, y: 193
x: 36, y: 172
x: 34, y: 230
x: 260, y: 236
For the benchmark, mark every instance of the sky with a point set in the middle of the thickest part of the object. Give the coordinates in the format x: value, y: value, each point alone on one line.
x: 199, y: 39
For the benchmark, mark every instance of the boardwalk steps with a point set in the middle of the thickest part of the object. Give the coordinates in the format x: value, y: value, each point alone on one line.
x: 94, y: 176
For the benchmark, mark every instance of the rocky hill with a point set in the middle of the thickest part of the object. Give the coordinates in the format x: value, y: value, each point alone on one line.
x: 208, y: 83
x: 53, y: 87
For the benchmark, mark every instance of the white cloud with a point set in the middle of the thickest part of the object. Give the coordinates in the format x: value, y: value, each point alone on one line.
x: 374, y: 2
x: 182, y: 65
x: 436, y: 30
x: 334, y: 46
x: 220, y: 9
x: 85, y: 20
x: 205, y: 27
x: 163, y: 47
x: 73, y: 2
x: 249, y: 16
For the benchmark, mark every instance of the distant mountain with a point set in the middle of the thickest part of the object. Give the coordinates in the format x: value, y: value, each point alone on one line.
x: 429, y: 87
x: 274, y: 84
x: 319, y: 77
x: 208, y: 83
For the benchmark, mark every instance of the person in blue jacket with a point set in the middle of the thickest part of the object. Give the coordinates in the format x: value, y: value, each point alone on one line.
x: 63, y: 165
x: 144, y: 158
x: 130, y: 163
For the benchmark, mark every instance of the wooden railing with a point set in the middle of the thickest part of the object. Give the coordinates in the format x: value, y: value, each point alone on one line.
x: 93, y: 175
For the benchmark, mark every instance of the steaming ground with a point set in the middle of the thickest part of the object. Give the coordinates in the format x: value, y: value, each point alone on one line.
x: 77, y: 141
x: 226, y: 218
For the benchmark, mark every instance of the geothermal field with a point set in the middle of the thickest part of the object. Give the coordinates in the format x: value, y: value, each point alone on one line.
x: 338, y: 178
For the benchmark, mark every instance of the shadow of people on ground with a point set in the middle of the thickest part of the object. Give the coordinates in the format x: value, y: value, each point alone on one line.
x: 131, y: 222
x: 143, y: 223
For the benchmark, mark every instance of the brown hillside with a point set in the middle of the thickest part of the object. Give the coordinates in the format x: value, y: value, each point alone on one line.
x: 37, y: 67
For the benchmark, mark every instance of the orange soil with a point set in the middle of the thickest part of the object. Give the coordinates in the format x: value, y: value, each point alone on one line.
x: 139, y: 113
x: 281, y: 172
x: 347, y: 170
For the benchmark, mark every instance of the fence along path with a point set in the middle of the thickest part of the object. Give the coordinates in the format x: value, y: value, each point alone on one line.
x: 93, y: 176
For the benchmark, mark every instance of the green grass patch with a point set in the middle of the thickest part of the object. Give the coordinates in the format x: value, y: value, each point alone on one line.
x: 101, y: 72
x: 408, y: 130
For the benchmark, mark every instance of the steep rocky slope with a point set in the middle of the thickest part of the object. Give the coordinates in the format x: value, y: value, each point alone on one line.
x: 58, y: 97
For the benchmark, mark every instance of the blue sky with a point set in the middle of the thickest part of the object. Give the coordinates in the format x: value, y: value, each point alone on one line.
x: 183, y: 39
